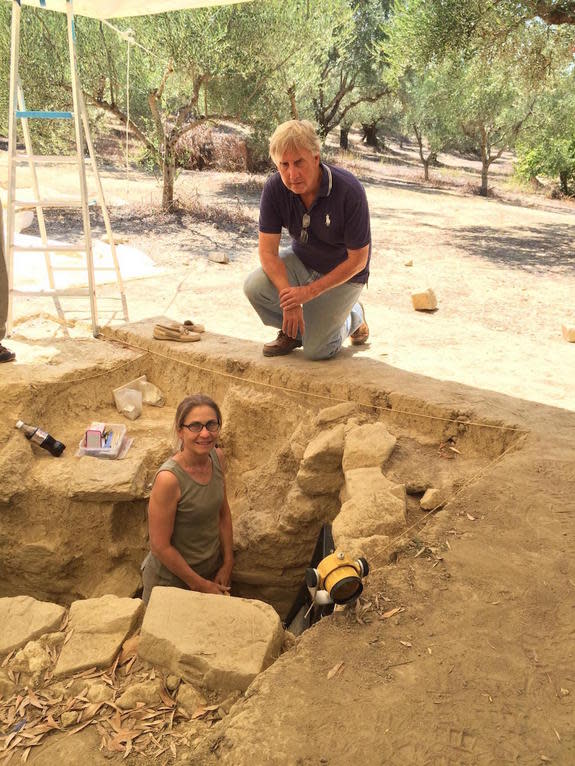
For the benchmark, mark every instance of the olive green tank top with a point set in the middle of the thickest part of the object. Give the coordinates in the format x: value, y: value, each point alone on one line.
x: 196, y: 532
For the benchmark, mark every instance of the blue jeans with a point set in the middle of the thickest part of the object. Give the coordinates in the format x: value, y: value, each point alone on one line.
x: 329, y: 319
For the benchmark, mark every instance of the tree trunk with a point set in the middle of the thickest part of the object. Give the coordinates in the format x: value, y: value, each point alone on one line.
x: 370, y: 134
x: 426, y: 169
x: 343, y: 137
x: 485, y: 161
x: 168, y: 177
x: 425, y: 160
x: 484, y: 172
x: 563, y: 182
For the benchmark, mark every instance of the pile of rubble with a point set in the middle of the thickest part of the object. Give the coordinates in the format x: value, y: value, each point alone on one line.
x: 148, y: 687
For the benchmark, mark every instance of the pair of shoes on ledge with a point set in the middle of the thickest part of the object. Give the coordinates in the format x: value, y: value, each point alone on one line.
x: 6, y: 355
x: 181, y: 333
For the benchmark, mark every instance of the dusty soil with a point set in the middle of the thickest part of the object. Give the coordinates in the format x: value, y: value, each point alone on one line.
x: 461, y: 651
x: 502, y: 269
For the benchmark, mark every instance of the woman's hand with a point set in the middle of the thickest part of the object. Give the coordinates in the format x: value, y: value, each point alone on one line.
x: 224, y: 575
x: 216, y: 589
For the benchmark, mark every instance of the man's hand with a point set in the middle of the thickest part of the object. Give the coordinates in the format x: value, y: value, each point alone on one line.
x: 294, y: 297
x: 293, y: 321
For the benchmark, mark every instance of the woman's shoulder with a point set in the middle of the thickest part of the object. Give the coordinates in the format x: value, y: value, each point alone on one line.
x: 219, y: 458
x: 169, y: 471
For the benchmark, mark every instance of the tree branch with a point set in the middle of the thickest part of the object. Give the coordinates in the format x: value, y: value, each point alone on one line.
x: 555, y: 12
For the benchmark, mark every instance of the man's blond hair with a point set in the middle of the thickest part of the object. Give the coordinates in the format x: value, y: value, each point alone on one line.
x: 293, y: 135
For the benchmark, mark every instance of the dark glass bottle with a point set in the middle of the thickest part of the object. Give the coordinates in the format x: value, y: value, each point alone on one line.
x: 41, y: 438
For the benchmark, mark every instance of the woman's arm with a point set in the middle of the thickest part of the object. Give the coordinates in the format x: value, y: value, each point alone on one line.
x: 161, y: 516
x: 224, y: 575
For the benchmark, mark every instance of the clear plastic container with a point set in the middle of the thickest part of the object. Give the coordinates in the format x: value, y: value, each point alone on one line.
x: 111, y: 452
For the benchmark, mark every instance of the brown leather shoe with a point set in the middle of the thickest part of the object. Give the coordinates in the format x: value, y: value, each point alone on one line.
x: 360, y: 336
x: 282, y: 345
x: 6, y: 355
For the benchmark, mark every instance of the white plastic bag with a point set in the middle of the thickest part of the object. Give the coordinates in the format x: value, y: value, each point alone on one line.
x: 128, y: 402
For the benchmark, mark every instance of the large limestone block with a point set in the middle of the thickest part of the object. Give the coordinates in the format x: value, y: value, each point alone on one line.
x: 381, y: 514
x: 217, y: 642
x: 372, y: 505
x: 23, y: 618
x: 99, y: 628
x: 424, y: 300
x: 568, y: 333
x: 366, y: 446
x: 324, y: 453
x: 364, y: 482
x: 320, y: 469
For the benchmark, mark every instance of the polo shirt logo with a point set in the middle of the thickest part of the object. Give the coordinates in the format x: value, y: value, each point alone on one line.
x: 327, y: 220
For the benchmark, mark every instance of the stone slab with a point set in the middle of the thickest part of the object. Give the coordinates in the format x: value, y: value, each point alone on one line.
x: 99, y: 627
x: 218, y: 642
x: 367, y: 445
x: 24, y: 618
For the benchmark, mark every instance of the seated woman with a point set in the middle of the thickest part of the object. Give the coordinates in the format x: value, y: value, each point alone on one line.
x: 189, y: 519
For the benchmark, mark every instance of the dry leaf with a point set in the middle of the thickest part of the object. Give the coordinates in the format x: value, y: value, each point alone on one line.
x: 406, y: 643
x: 25, y: 754
x: 335, y: 670
x: 166, y: 699
x: 116, y: 721
x: 202, y: 711
x: 470, y: 517
x: 391, y: 612
x: 454, y: 449
x: 129, y: 649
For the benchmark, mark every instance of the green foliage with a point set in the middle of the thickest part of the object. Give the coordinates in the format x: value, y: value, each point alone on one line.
x: 481, y: 92
x: 548, y: 149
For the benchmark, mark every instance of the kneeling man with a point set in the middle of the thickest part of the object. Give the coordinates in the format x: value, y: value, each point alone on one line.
x: 310, y: 291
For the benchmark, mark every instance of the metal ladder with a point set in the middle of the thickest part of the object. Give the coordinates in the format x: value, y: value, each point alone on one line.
x: 18, y: 111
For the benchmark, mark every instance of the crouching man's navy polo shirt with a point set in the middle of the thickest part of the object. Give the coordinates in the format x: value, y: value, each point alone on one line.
x: 339, y: 219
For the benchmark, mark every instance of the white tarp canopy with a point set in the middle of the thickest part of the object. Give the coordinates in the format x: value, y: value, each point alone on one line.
x: 110, y: 9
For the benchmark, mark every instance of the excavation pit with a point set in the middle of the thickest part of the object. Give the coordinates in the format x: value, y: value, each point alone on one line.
x: 306, y: 444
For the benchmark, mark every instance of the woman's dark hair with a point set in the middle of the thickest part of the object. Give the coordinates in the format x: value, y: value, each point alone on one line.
x: 195, y: 400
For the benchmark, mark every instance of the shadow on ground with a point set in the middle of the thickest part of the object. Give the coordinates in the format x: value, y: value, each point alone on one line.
x: 548, y: 247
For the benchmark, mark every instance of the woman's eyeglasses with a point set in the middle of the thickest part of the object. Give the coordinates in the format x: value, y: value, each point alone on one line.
x: 305, y: 222
x: 196, y: 427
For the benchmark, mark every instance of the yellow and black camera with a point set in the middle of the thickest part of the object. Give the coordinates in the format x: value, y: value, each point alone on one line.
x: 337, y: 579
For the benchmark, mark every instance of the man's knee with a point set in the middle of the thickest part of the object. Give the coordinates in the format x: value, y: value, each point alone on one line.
x: 253, y: 284
x: 318, y: 353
